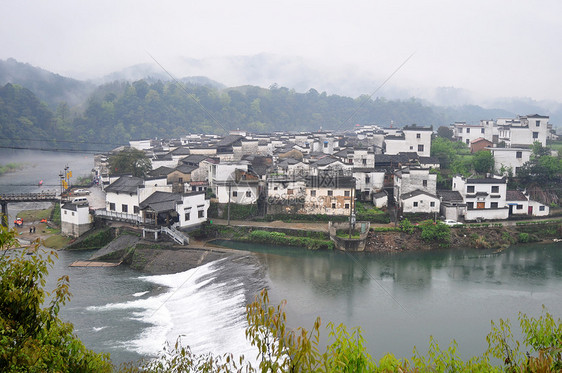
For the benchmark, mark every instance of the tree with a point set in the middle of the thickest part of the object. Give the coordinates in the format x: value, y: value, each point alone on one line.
x: 130, y: 161
x: 33, y: 338
x: 445, y: 132
x: 483, y: 162
x: 447, y: 151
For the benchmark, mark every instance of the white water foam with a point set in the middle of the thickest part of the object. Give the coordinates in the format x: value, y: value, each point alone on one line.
x: 98, y: 329
x: 140, y: 294
x: 208, y: 315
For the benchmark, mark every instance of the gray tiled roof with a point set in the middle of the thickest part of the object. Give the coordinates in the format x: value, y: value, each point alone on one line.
x: 125, y: 184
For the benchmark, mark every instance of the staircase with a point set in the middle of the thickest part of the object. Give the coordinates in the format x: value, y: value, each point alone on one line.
x: 176, y: 235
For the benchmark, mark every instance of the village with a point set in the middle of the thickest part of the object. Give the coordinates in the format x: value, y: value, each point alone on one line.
x: 311, y: 174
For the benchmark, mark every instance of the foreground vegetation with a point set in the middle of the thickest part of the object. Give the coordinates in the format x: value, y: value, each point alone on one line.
x: 34, y: 339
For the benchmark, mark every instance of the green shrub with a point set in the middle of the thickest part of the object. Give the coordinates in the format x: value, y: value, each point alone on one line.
x: 438, y: 232
x: 406, y: 226
x: 524, y: 237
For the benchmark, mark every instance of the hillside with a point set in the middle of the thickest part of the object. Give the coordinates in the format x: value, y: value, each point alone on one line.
x: 115, y: 112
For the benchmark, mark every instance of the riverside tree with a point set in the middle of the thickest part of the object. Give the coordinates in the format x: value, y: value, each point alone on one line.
x: 130, y: 161
x: 32, y: 337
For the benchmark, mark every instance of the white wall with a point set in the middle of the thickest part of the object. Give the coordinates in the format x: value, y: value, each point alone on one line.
x: 192, y: 204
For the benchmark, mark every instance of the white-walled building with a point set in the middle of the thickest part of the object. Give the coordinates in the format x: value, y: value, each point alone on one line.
x: 485, y: 198
x: 410, y: 139
x: 509, y: 159
x: 75, y: 219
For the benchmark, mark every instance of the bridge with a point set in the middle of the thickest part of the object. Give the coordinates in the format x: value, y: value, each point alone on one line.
x: 24, y: 197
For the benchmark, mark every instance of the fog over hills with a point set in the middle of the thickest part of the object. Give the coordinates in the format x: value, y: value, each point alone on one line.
x: 266, y: 70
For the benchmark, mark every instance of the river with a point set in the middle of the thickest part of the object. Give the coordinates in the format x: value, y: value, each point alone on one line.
x: 398, y: 300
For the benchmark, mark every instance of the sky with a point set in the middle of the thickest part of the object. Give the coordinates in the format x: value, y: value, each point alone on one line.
x: 503, y: 48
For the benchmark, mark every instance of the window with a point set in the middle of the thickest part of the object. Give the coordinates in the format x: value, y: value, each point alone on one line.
x: 201, y: 213
x: 325, y: 144
x: 65, y: 212
x: 367, y: 179
x: 330, y: 193
x: 541, y: 208
x: 112, y: 206
x: 346, y: 193
x: 187, y: 216
x: 333, y: 205
x: 411, y: 148
x: 249, y: 193
x: 420, y: 148
x: 482, y: 130
x: 467, y: 141
x: 468, y: 130
x: 415, y: 204
x: 234, y: 193
x: 418, y: 135
x: 460, y: 130
x: 180, y: 180
x: 432, y: 204
x: 495, y: 189
x: 275, y: 188
x: 124, y: 208
x: 480, y: 205
x: 346, y: 205
x: 72, y: 213
x: 519, y: 207
x: 364, y: 162
x: 424, y: 183
x: 313, y: 193
x: 519, y: 155
x: 538, y: 123
x: 470, y: 188
x: 535, y: 135
x: 494, y: 205
x: 136, y: 209
x: 470, y: 205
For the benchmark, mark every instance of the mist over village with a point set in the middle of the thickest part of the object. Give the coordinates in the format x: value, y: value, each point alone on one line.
x: 280, y: 186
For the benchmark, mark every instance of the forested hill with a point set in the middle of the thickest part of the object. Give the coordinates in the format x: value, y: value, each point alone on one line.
x: 120, y: 111
x: 49, y: 87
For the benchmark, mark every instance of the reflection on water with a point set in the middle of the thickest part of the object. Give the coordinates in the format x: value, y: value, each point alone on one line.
x: 399, y: 300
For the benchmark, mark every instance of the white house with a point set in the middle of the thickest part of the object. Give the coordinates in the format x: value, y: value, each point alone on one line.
x: 232, y: 182
x: 467, y: 133
x: 330, y: 195
x: 181, y: 210
x: 410, y: 139
x: 75, y: 219
x: 408, y: 180
x: 419, y: 201
x: 125, y: 194
x: 485, y: 198
x: 506, y: 159
x: 520, y: 205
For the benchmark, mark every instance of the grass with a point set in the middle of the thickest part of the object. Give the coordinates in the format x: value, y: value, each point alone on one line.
x: 57, y: 242
x: 35, y: 215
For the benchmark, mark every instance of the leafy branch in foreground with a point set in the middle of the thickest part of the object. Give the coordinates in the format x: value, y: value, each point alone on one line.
x: 32, y: 337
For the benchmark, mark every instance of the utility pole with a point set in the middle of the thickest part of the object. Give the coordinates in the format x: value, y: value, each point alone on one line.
x: 351, y: 215
x: 229, y: 194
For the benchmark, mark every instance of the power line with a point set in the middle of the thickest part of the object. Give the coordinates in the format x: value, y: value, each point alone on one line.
x: 51, y: 149
x: 62, y: 141
x: 378, y: 88
x: 190, y: 95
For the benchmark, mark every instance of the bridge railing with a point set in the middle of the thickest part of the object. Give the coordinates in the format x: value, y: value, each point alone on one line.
x: 28, y: 196
x: 122, y: 216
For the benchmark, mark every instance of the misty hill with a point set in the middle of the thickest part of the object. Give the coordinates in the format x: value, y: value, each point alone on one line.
x: 121, y: 110
x: 23, y: 118
x: 153, y: 73
x: 49, y: 87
